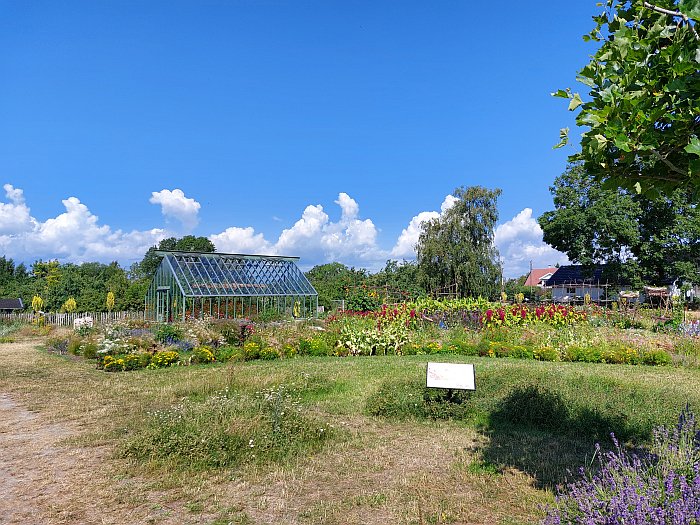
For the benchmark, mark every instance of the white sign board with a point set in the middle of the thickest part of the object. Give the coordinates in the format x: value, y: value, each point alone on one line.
x: 451, y: 375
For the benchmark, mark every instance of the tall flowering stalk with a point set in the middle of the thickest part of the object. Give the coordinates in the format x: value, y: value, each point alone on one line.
x: 660, y: 487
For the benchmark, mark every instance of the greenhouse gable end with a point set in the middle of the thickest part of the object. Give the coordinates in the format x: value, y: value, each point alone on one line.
x: 226, y: 286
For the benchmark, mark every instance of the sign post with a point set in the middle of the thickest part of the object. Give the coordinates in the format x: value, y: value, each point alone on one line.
x: 453, y: 376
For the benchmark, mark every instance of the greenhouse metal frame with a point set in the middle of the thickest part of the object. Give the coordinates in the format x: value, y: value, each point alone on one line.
x: 192, y: 285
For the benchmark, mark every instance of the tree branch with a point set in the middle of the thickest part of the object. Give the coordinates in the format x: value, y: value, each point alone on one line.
x: 664, y: 11
x: 668, y: 163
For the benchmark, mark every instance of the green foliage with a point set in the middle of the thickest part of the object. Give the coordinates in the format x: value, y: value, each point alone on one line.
x: 168, y: 333
x: 457, y: 247
x: 363, y: 300
x: 643, y: 100
x: 227, y: 431
x: 535, y: 398
x: 332, y: 281
x: 189, y: 243
x: 592, y: 224
x: 164, y: 358
x: 202, y: 354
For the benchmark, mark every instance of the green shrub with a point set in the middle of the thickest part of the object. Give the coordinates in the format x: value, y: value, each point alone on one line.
x: 656, y: 357
x: 74, y: 346
x: 546, y: 354
x: 202, y: 354
x: 316, y: 346
x: 225, y: 353
x: 288, y: 350
x: 269, y: 353
x: 135, y: 361
x: 113, y: 364
x: 88, y: 349
x: 168, y: 333
x: 251, y: 350
x: 163, y: 359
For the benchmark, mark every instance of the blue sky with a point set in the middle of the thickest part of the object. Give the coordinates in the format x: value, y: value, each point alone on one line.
x: 322, y: 129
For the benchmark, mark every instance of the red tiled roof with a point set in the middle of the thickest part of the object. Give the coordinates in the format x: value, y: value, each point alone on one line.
x: 536, y: 275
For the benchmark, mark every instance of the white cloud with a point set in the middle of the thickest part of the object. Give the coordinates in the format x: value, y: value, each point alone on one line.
x: 14, y: 215
x: 519, y: 242
x: 76, y: 235
x: 241, y: 240
x: 314, y: 237
x: 72, y: 236
x: 405, y: 247
x: 175, y: 205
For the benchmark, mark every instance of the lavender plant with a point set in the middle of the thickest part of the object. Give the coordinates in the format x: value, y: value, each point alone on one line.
x: 658, y: 486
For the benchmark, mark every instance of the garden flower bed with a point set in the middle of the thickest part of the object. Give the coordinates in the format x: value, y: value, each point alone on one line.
x: 463, y: 327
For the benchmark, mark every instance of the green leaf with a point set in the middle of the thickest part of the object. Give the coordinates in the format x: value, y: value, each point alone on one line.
x: 690, y: 8
x: 600, y: 141
x: 563, y: 138
x: 694, y: 167
x: 575, y: 102
x: 638, y: 187
x: 561, y: 94
x: 623, y: 143
x: 694, y: 146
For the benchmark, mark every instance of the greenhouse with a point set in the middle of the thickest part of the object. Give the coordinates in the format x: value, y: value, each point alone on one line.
x: 226, y: 286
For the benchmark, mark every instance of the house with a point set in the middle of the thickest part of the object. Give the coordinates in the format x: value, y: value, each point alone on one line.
x: 573, y: 282
x: 8, y: 306
x: 538, y: 276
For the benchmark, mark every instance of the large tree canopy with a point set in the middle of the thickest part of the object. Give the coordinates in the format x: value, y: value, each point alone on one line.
x: 457, y: 248
x: 649, y: 240
x: 643, y: 106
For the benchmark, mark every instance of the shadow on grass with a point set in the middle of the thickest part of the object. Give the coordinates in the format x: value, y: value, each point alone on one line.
x: 536, y: 431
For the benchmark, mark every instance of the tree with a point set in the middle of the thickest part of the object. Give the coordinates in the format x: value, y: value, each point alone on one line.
x: 189, y: 243
x: 643, y: 114
x: 641, y: 239
x: 399, y: 276
x: 457, y: 247
x: 333, y: 280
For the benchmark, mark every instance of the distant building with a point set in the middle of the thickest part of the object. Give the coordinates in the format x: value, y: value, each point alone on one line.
x: 573, y: 282
x: 8, y: 306
x: 538, y: 276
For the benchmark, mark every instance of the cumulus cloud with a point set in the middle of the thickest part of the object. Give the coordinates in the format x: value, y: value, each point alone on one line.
x: 314, y: 237
x: 14, y: 215
x: 519, y: 242
x: 73, y: 236
x: 241, y: 240
x: 405, y: 247
x: 174, y: 205
x: 76, y: 235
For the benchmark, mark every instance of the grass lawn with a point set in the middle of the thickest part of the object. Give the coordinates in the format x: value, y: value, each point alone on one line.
x: 325, y: 440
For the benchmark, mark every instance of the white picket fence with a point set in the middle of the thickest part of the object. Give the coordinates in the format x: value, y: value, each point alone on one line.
x: 65, y: 319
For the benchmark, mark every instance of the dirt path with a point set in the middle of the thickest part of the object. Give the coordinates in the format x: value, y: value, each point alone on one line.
x: 34, y: 470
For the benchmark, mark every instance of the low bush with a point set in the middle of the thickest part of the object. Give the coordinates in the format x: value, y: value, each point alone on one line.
x: 658, y: 486
x: 164, y: 358
x: 58, y: 344
x: 202, y: 354
x: 88, y: 349
x: 656, y: 358
x: 168, y: 333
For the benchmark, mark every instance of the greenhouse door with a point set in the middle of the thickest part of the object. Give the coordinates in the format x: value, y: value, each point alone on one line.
x: 163, y: 304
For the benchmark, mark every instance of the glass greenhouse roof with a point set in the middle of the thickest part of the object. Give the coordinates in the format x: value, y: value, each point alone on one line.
x: 235, y: 275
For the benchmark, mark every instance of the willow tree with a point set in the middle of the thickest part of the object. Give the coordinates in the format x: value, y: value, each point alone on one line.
x: 457, y: 249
